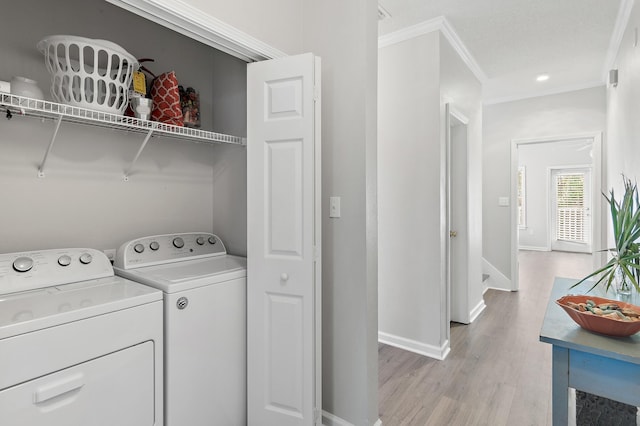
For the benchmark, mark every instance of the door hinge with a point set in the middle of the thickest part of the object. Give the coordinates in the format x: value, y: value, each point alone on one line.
x: 316, y: 93
x: 316, y: 253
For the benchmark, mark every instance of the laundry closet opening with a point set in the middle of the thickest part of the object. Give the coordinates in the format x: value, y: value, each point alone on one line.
x: 175, y: 186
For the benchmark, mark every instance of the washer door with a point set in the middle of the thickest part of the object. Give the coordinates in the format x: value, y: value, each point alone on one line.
x: 116, y: 389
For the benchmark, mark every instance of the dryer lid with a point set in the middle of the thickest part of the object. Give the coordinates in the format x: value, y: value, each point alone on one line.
x: 179, y: 276
x: 47, y: 307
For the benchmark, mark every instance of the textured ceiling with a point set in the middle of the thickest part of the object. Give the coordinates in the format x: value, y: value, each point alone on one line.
x: 513, y: 41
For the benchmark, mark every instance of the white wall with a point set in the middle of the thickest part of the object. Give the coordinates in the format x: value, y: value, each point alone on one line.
x: 409, y: 188
x: 347, y: 43
x: 538, y: 158
x: 582, y: 111
x: 83, y: 200
x: 623, y: 125
x: 463, y: 90
x: 416, y: 76
x: 278, y: 23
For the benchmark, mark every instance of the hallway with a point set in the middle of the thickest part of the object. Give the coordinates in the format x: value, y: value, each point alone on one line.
x: 498, y: 373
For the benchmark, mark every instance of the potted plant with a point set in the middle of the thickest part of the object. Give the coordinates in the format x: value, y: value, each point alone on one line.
x: 623, y: 268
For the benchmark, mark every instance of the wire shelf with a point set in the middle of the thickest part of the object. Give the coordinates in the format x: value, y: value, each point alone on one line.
x: 28, y: 107
x: 19, y: 105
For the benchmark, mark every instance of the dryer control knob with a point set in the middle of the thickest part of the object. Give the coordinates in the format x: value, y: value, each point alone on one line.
x: 138, y: 248
x: 64, y: 260
x: 154, y: 245
x: 212, y: 240
x: 178, y: 242
x: 85, y: 258
x: 200, y: 241
x: 23, y: 264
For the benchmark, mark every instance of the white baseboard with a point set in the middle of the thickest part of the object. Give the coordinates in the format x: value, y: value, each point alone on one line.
x: 533, y: 248
x: 496, y: 279
x: 329, y: 419
x: 439, y: 353
x: 475, y: 312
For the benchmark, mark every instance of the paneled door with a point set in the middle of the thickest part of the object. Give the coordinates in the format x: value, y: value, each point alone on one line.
x: 283, y: 288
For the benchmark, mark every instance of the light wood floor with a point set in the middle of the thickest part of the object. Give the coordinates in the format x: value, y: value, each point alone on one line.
x: 498, y: 372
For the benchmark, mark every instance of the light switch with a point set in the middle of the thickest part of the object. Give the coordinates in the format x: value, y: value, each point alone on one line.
x: 503, y: 201
x: 334, y: 206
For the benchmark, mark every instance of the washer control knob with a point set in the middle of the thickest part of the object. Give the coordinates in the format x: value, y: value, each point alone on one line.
x: 23, y: 264
x: 85, y: 258
x: 154, y: 245
x: 138, y: 248
x: 178, y: 242
x: 212, y: 240
x: 200, y: 241
x: 64, y: 260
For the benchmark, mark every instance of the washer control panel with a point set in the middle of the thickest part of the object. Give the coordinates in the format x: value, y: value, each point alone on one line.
x: 159, y: 249
x: 47, y: 268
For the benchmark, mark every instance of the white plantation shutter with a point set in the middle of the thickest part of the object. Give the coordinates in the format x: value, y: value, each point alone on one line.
x: 571, y: 217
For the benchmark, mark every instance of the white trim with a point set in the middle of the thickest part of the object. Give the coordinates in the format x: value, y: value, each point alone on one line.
x: 329, y: 419
x: 441, y: 24
x: 533, y: 248
x: 475, y: 312
x: 439, y: 353
x: 556, y: 91
x: 466, y: 56
x: 193, y: 23
x: 616, y: 36
x: 497, y: 280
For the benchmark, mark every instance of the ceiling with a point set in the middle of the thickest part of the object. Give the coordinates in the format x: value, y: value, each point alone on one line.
x: 513, y: 41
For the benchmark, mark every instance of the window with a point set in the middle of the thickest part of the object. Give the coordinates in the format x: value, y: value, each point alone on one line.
x: 522, y: 200
x: 570, y: 207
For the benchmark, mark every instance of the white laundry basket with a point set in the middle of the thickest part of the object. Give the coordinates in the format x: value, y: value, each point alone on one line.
x: 88, y: 73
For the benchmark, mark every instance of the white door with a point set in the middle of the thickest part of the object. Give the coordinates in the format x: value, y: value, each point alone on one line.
x: 571, y: 210
x: 283, y: 265
x: 457, y: 216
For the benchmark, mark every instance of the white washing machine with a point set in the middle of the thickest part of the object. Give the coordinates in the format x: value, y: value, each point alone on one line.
x: 204, y: 323
x: 78, y: 345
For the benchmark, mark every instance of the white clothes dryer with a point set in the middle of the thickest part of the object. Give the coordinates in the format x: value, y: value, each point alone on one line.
x: 205, y: 323
x: 78, y: 345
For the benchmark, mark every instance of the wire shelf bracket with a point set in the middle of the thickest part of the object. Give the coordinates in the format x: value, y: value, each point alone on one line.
x: 21, y: 106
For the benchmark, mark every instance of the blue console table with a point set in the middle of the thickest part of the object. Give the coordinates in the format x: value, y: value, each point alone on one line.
x: 586, y: 361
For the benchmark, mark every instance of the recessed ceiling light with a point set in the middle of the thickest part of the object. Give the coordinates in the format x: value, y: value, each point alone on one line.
x: 542, y: 77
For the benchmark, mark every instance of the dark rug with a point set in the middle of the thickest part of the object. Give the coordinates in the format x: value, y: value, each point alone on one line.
x: 592, y: 410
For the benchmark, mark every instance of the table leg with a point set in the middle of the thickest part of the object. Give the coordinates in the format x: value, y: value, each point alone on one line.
x: 560, y: 383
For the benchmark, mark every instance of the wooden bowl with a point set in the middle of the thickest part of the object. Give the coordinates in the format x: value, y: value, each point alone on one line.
x: 596, y: 323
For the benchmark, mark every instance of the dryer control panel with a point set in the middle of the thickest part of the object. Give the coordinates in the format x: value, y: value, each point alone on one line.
x: 161, y: 249
x: 47, y: 268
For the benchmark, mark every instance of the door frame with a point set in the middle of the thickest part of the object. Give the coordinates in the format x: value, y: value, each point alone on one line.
x: 450, y: 112
x: 598, y: 184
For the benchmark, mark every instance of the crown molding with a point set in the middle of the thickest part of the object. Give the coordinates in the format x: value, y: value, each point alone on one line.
x: 436, y: 24
x: 557, y: 91
x: 193, y: 23
x: 616, y: 37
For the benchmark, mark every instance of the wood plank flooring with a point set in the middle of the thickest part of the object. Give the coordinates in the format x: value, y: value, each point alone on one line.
x: 498, y: 373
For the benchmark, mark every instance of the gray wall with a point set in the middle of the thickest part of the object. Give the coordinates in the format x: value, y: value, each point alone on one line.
x: 548, y: 116
x: 83, y: 200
